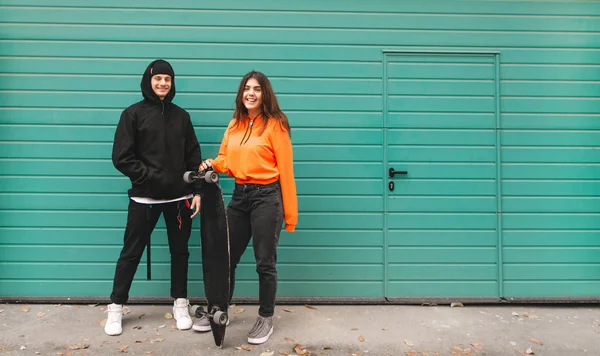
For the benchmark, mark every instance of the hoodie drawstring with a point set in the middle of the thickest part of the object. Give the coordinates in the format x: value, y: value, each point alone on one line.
x: 249, y: 127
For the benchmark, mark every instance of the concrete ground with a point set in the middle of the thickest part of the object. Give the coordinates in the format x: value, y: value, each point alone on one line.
x: 41, y: 329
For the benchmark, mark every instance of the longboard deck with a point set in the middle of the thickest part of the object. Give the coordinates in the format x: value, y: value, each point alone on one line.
x: 214, y: 237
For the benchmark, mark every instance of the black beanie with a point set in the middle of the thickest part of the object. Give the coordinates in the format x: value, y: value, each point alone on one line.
x: 161, y: 67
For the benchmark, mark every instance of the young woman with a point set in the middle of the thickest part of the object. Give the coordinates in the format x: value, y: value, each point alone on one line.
x: 257, y: 151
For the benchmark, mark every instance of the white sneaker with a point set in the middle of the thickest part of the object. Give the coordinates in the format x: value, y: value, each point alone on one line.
x: 181, y: 314
x: 113, y: 321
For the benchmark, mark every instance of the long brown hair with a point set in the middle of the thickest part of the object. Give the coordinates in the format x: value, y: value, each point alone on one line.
x: 270, y: 106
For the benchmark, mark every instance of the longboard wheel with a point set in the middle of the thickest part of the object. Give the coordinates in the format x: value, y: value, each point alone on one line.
x: 197, y: 311
x: 220, y: 318
x: 211, y: 177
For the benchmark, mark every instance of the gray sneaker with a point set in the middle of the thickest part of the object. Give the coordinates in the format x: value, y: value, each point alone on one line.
x: 263, y: 328
x: 203, y: 324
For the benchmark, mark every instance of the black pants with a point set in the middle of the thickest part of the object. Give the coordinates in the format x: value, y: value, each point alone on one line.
x: 141, y: 220
x: 257, y: 211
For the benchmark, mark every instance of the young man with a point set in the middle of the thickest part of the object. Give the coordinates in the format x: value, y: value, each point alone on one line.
x: 154, y: 145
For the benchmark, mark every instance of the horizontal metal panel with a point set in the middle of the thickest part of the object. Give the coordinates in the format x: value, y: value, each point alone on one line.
x: 212, y: 18
x: 136, y: 67
x: 103, y: 151
x: 567, y: 155
x: 443, y: 289
x: 442, y: 255
x: 200, y: 118
x: 439, y: 238
x: 114, y: 237
x: 160, y: 254
x: 431, y: 120
x: 205, y: 101
x: 442, y: 221
x: 551, y: 272
x: 442, y: 272
x: 554, y: 238
x: 467, y: 7
x: 554, y: 255
x: 441, y: 137
x: 533, y: 221
x: 138, y: 33
x: 558, y: 289
x: 196, y: 288
x: 440, y: 154
x: 442, y: 204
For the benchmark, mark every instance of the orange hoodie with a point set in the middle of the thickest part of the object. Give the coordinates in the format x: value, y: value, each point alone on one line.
x: 261, y: 159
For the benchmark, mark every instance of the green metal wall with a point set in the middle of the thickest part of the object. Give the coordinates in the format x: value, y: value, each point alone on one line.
x: 499, y: 140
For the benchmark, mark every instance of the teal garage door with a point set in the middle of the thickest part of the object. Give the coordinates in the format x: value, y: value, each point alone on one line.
x: 442, y: 233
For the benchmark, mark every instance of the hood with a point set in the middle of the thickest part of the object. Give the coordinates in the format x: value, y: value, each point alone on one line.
x: 146, y: 85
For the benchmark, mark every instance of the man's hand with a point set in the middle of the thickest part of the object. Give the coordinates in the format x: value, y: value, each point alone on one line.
x: 195, y: 205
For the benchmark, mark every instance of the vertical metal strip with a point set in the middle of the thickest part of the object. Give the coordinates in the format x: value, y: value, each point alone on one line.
x: 499, y: 178
x: 383, y: 177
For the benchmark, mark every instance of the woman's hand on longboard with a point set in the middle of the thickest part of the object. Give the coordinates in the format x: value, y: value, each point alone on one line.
x: 195, y: 205
x: 204, y: 165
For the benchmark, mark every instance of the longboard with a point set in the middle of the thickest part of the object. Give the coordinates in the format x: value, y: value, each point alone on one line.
x: 214, y: 238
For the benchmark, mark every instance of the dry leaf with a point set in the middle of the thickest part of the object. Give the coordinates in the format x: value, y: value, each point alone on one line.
x: 535, y: 341
x: 141, y: 316
x: 57, y: 305
x: 148, y: 352
x: 40, y: 314
x: 456, y: 305
x: 477, y: 346
x: 168, y: 316
x: 456, y: 350
x: 139, y: 327
x: 5, y: 348
x: 310, y: 307
x: 123, y: 348
x: 289, y: 339
x: 361, y: 339
x: 239, y: 310
x: 515, y: 314
x: 529, y: 351
x: 327, y: 348
x: 126, y: 310
x: 289, y: 310
x: 384, y: 329
x: 247, y: 347
x: 353, y: 329
x: 411, y: 353
x: 79, y: 347
x: 409, y: 343
x: 300, y: 350
x: 268, y: 353
x: 25, y: 308
x: 466, y: 352
x: 102, y: 322
x: 161, y: 326
x: 284, y: 353
x: 152, y: 341
x: 140, y: 341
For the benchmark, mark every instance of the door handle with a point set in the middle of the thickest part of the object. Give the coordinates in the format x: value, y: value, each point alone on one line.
x: 393, y: 172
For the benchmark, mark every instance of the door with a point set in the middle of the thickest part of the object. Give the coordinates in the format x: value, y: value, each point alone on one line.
x: 442, y: 175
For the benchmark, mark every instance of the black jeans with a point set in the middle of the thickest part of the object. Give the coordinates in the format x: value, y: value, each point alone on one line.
x: 256, y: 211
x: 141, y: 220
